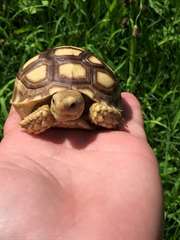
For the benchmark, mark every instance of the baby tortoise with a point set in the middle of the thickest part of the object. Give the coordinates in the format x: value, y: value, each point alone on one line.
x: 66, y: 87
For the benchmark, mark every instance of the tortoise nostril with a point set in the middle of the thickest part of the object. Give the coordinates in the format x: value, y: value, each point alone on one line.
x: 72, y: 105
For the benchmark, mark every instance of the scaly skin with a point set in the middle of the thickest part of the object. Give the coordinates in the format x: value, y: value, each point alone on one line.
x: 38, y: 121
x: 105, y: 115
x: 76, y: 184
x: 100, y: 114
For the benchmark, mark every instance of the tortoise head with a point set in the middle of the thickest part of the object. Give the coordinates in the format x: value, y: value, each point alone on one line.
x: 67, y: 105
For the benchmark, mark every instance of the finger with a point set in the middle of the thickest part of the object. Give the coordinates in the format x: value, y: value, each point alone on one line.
x: 12, y: 122
x: 133, y: 115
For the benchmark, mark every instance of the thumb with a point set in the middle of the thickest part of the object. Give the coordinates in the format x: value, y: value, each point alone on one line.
x: 12, y: 122
x: 134, y: 123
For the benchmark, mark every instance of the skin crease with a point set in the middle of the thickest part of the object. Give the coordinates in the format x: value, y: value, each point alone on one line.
x: 76, y: 184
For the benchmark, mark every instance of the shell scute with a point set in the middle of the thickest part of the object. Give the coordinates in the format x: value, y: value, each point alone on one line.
x: 38, y: 74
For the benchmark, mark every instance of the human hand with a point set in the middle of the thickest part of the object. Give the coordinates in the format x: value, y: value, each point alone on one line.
x: 76, y: 184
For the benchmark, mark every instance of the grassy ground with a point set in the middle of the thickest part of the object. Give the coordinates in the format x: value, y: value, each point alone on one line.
x: 138, y: 39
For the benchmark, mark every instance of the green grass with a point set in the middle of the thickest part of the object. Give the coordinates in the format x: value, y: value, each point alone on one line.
x: 140, y: 40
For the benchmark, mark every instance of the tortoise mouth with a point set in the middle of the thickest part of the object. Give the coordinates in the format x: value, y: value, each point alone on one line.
x: 66, y: 117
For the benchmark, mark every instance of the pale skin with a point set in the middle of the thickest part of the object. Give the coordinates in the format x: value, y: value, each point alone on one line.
x: 79, y: 184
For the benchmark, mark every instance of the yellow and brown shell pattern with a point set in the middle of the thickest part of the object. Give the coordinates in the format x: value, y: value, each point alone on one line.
x: 58, y: 69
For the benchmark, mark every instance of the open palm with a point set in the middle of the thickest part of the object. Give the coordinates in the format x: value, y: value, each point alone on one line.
x: 76, y: 184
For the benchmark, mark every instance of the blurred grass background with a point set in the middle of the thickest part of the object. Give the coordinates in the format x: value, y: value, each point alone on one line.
x: 140, y: 40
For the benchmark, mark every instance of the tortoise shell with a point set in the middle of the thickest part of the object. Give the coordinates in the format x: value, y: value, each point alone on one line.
x: 60, y: 68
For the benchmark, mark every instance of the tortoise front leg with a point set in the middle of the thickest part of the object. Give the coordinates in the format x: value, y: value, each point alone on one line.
x: 105, y: 115
x: 38, y: 121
